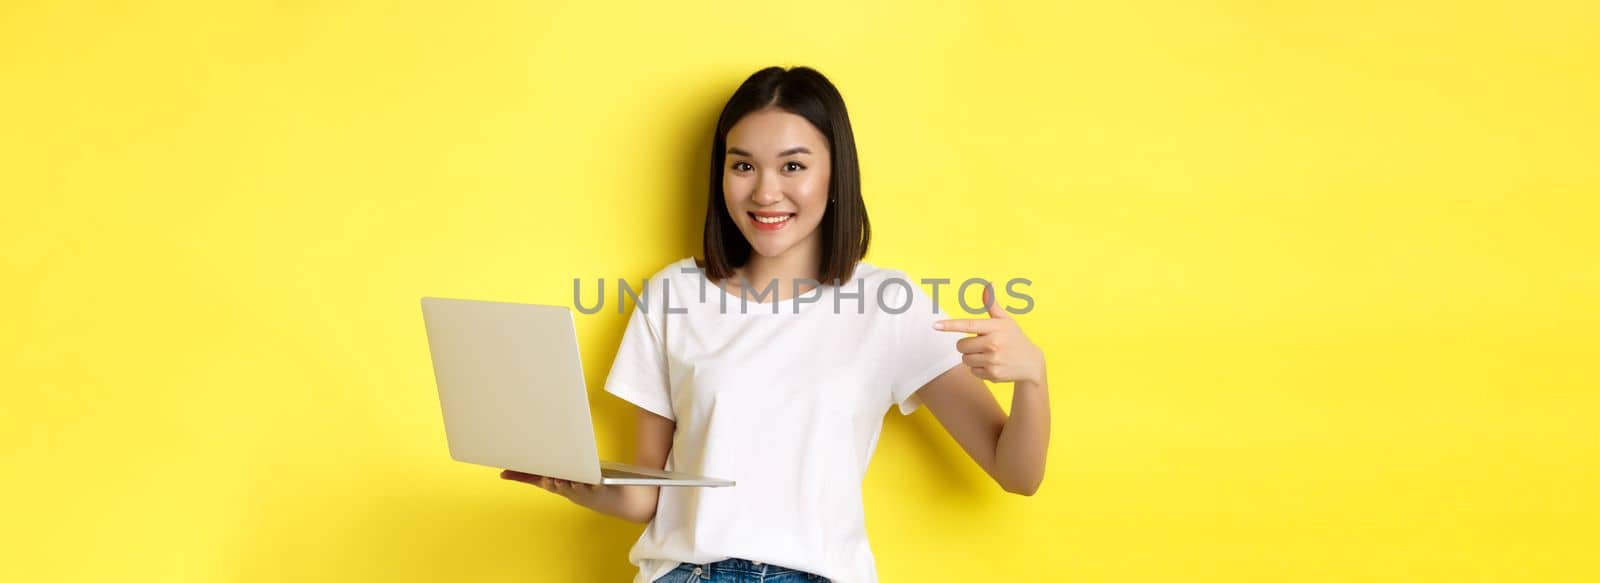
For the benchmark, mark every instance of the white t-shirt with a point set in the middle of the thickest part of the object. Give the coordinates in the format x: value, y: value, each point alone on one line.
x: 788, y: 405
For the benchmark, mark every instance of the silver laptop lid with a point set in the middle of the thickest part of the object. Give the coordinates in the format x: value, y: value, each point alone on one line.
x: 511, y: 387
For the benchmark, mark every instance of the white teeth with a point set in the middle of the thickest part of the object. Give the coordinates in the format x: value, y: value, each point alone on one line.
x: 772, y: 220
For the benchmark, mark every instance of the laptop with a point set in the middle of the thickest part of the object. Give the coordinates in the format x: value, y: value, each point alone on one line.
x: 512, y: 391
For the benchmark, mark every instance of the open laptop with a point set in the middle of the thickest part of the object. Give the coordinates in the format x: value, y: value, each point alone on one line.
x: 511, y: 387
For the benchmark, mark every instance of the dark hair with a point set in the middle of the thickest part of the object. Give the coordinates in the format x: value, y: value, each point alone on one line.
x: 845, y: 230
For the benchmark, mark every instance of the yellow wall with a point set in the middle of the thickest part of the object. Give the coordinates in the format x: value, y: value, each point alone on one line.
x: 1318, y: 285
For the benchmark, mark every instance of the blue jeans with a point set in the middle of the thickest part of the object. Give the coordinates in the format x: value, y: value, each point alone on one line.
x: 737, y: 571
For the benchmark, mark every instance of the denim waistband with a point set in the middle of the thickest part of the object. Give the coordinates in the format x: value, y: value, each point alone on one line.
x: 747, y: 566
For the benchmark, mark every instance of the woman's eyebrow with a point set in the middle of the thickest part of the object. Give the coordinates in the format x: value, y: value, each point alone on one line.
x: 794, y: 150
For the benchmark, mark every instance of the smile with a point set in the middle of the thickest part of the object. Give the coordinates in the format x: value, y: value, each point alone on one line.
x: 771, y: 221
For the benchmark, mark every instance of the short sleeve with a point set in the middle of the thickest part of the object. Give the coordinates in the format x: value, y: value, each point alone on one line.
x: 920, y: 352
x: 639, y: 372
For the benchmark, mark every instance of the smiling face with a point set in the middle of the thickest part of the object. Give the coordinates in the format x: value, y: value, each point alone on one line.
x: 775, y: 181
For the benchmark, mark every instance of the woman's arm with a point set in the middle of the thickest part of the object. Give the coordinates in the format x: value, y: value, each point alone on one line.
x: 652, y: 444
x: 1011, y: 450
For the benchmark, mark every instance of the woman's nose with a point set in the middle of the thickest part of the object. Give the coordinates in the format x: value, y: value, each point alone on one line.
x: 767, y: 192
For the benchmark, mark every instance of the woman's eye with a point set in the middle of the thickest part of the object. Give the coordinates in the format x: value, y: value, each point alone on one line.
x: 793, y: 167
x: 741, y: 166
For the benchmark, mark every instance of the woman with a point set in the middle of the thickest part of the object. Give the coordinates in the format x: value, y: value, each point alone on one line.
x: 782, y: 386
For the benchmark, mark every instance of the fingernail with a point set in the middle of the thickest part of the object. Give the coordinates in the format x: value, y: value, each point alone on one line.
x: 938, y: 325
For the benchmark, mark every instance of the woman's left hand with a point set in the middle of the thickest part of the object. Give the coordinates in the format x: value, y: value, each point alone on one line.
x: 1000, y: 352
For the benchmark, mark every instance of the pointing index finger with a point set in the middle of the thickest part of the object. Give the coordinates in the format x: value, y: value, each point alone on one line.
x: 969, y: 325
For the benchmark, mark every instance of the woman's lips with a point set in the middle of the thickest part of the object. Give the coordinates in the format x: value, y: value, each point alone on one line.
x: 783, y: 220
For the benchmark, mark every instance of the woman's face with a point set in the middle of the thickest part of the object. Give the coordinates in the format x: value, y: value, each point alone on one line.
x: 775, y: 180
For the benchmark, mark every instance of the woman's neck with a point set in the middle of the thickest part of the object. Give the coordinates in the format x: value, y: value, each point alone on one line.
x: 798, y: 263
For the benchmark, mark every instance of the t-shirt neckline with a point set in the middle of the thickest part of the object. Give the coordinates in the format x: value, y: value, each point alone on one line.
x: 785, y: 306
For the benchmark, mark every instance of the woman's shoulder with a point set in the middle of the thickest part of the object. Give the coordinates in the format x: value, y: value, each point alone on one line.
x: 873, y: 274
x: 893, y: 284
x: 887, y: 284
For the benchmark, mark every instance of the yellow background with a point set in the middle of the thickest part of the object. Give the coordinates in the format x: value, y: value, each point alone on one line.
x: 1318, y: 285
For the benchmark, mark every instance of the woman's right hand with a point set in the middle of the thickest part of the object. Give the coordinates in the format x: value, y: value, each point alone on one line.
x: 612, y: 500
x: 575, y: 491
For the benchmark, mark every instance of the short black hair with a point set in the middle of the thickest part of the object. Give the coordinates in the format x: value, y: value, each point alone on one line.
x: 845, y: 230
